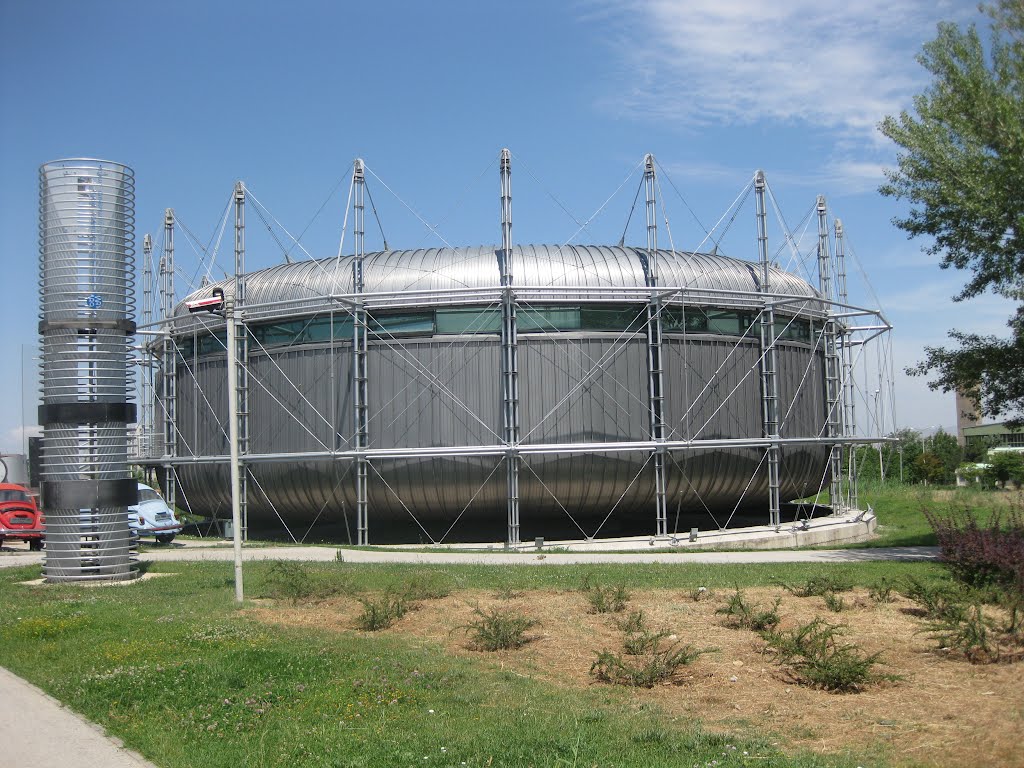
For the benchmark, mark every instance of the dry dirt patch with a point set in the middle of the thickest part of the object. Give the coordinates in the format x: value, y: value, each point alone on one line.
x: 944, y: 712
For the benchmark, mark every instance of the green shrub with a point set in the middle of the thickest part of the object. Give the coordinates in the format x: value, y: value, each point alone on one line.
x: 420, y: 586
x: 978, y: 638
x: 817, y: 658
x: 381, y: 612
x: 606, y: 599
x: 288, y: 580
x: 970, y: 634
x: 743, y: 615
x: 645, y: 671
x: 498, y: 630
x: 507, y: 593
x: 937, y: 601
x: 634, y: 622
x: 817, y: 586
x: 700, y: 593
x: 881, y: 591
x: 834, y: 602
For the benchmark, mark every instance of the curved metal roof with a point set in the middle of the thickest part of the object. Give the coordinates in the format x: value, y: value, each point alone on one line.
x: 549, y: 266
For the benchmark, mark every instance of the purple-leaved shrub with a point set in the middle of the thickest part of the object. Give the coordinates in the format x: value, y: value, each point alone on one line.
x: 982, y: 555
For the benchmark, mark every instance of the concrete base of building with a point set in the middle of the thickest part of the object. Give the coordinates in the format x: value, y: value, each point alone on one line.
x: 833, y: 530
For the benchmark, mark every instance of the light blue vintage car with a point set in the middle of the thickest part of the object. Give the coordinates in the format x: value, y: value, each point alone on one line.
x: 152, y: 517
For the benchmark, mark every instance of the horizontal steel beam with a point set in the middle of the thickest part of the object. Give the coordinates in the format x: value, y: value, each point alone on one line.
x: 541, y: 449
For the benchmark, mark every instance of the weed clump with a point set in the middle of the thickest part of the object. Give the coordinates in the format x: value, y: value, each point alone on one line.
x: 978, y: 638
x: 425, y: 587
x: 647, y: 670
x: 288, y: 580
x: 881, y: 591
x: 498, y: 630
x: 818, y: 659
x: 834, y: 602
x: 507, y: 593
x: 697, y: 594
x: 937, y: 601
x: 743, y: 615
x: 381, y: 612
x: 817, y: 586
x: 646, y: 658
x: 605, y: 599
x: 638, y: 638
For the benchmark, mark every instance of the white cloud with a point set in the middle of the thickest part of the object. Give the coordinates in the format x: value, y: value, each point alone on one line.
x: 840, y: 66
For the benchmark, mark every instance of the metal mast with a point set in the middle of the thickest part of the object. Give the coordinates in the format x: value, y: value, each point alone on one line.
x: 359, y: 352
x: 240, y: 381
x: 169, y: 386
x: 655, y: 380
x: 146, y: 416
x: 846, y: 350
x: 769, y: 378
x: 833, y: 385
x: 509, y: 352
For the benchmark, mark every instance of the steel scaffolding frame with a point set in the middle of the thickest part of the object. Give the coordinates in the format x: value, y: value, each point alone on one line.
x: 360, y: 345
x: 169, y: 380
x: 835, y: 319
x: 833, y: 385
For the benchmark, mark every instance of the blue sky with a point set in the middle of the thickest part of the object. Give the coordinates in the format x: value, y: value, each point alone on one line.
x: 194, y: 95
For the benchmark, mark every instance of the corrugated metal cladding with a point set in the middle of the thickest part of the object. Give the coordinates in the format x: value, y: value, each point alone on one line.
x: 443, y: 269
x: 437, y: 390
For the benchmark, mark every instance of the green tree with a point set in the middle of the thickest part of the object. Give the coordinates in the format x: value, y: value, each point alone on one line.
x: 978, y: 449
x: 1005, y: 465
x: 945, y: 447
x: 960, y: 163
x: 929, y: 468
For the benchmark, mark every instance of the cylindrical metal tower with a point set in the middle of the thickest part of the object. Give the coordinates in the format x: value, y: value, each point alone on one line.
x: 87, y: 302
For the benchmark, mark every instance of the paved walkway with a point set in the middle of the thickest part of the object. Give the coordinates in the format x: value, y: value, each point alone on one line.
x: 191, y: 552
x: 37, y: 731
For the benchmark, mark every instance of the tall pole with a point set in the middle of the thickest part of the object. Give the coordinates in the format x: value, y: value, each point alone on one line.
x: 833, y: 385
x: 238, y: 426
x: 769, y: 378
x: 360, y: 390
x: 655, y: 379
x: 509, y: 353
x: 236, y: 494
x: 846, y: 350
x: 240, y: 379
x: 169, y: 360
x: 146, y: 369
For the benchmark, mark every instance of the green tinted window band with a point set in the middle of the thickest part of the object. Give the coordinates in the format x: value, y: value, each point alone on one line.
x: 487, y: 320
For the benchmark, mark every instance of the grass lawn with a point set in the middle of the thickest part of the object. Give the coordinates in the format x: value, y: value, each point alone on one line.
x: 900, y: 509
x: 170, y: 666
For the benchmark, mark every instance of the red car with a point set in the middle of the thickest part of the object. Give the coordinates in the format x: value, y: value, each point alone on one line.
x: 19, y: 516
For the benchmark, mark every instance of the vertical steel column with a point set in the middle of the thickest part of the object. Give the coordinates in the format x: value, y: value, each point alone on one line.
x: 655, y: 377
x: 833, y: 391
x: 86, y: 325
x: 169, y: 364
x: 234, y: 419
x: 240, y: 381
x: 846, y: 350
x: 509, y: 353
x: 769, y: 377
x: 145, y: 426
x: 360, y: 345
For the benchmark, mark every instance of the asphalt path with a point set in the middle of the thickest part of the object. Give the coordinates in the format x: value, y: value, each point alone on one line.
x: 37, y: 731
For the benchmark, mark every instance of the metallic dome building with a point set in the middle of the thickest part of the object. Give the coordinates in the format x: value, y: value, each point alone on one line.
x: 463, y: 393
